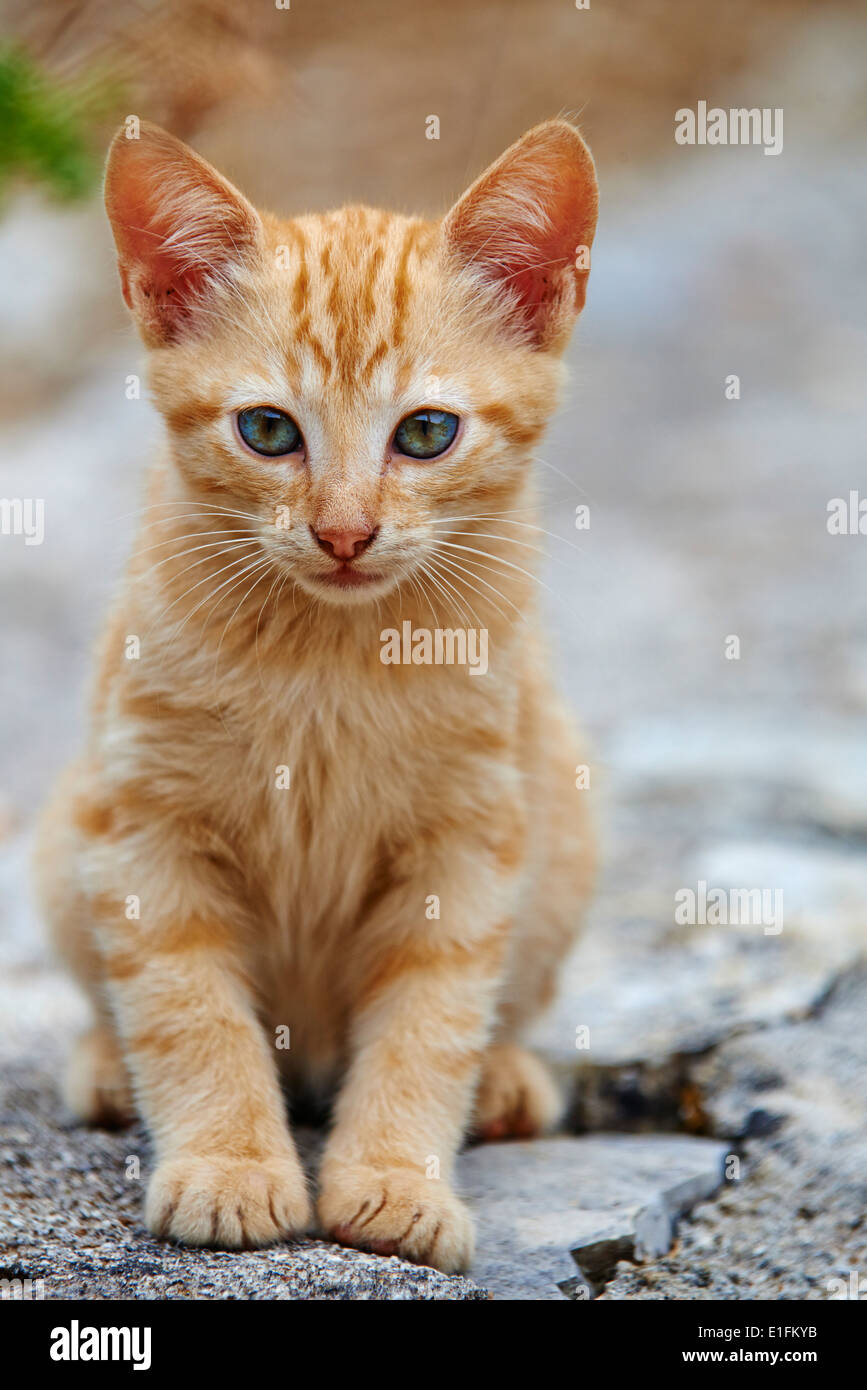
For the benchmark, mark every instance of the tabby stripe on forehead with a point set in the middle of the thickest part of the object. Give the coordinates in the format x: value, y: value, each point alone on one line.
x: 338, y: 306
x: 342, y: 302
x: 191, y: 414
x: 401, y: 282
x: 333, y: 301
x: 302, y: 279
x: 373, y: 361
x: 349, y: 345
x: 306, y: 335
x: 504, y: 419
x: 373, y: 269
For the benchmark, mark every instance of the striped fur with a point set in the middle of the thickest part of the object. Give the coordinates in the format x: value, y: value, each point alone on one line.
x: 204, y: 906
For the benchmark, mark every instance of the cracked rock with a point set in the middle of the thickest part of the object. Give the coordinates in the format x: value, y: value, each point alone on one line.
x: 546, y: 1206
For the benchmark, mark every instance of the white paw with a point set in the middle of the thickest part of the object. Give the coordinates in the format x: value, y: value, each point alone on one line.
x: 396, y: 1211
x: 235, y: 1203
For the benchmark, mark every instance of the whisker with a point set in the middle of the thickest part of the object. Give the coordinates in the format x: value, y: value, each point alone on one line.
x: 237, y: 561
x: 441, y: 564
x: 222, y: 550
x: 268, y: 563
x: 277, y: 577
x: 559, y: 471
x: 478, y: 564
x: 213, y: 594
x: 190, y: 536
x: 221, y: 547
x: 491, y: 555
x: 461, y: 598
x: 525, y: 545
x: 506, y: 521
x: 490, y: 536
x: 450, y: 562
x: 438, y: 585
x: 476, y: 516
x: 421, y: 591
x: 205, y: 510
x: 459, y: 587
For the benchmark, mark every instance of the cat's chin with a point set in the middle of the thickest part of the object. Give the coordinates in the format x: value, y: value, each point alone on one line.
x: 348, y: 589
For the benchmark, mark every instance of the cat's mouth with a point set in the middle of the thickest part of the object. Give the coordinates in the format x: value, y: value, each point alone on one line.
x: 346, y: 583
x: 345, y: 577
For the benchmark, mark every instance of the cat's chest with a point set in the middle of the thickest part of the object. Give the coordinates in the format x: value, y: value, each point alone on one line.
x: 333, y: 777
x: 332, y: 780
x: 330, y: 787
x: 336, y: 795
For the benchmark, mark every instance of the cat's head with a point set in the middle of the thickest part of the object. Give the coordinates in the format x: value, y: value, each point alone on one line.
x: 358, y: 384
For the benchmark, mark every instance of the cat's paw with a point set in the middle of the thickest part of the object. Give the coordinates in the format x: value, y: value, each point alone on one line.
x: 396, y: 1211
x: 517, y: 1098
x: 231, y: 1203
x: 96, y: 1085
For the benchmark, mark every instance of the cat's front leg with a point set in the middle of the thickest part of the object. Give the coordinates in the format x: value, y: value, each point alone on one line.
x: 423, y: 1020
x: 227, y: 1173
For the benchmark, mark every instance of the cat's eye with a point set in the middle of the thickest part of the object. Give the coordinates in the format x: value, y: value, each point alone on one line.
x: 269, y: 431
x: 426, y: 433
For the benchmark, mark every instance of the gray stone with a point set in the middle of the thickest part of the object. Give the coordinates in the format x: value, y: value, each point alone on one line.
x: 546, y: 1206
x: 70, y: 1218
x: 553, y: 1216
x: 791, y: 1221
x: 649, y: 990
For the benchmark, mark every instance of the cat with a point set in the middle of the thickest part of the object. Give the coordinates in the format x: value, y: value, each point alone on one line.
x: 280, y: 856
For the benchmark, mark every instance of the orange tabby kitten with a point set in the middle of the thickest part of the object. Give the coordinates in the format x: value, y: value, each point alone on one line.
x: 310, y: 833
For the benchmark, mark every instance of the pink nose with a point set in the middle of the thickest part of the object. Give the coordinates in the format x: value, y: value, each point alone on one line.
x: 344, y: 545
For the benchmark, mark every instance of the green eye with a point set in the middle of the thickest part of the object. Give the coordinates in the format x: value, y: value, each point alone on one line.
x: 426, y: 433
x: 269, y: 431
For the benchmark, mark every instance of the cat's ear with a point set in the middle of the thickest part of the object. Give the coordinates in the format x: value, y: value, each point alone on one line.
x: 524, y: 230
x: 179, y: 228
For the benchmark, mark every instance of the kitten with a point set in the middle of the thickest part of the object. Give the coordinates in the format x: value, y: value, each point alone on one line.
x: 278, y: 852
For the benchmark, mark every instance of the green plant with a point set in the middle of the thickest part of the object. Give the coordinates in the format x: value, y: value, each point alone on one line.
x: 44, y: 127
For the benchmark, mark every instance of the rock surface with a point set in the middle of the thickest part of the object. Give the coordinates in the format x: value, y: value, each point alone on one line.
x: 555, y: 1215
x: 552, y: 1217
x: 792, y: 1224
x: 642, y: 995
x: 70, y: 1218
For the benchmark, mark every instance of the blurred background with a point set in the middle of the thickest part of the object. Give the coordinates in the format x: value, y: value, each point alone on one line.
x: 707, y: 515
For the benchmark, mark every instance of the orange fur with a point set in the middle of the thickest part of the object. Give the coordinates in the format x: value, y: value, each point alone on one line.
x: 203, y: 905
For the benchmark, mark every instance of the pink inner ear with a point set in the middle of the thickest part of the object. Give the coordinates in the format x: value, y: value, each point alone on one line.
x: 537, y: 277
x: 151, y: 270
x: 522, y: 223
x: 176, y: 224
x: 160, y: 295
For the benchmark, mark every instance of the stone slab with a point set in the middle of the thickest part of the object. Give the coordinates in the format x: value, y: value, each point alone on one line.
x: 554, y: 1215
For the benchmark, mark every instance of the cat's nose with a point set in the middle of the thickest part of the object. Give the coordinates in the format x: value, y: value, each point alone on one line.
x: 344, y: 545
